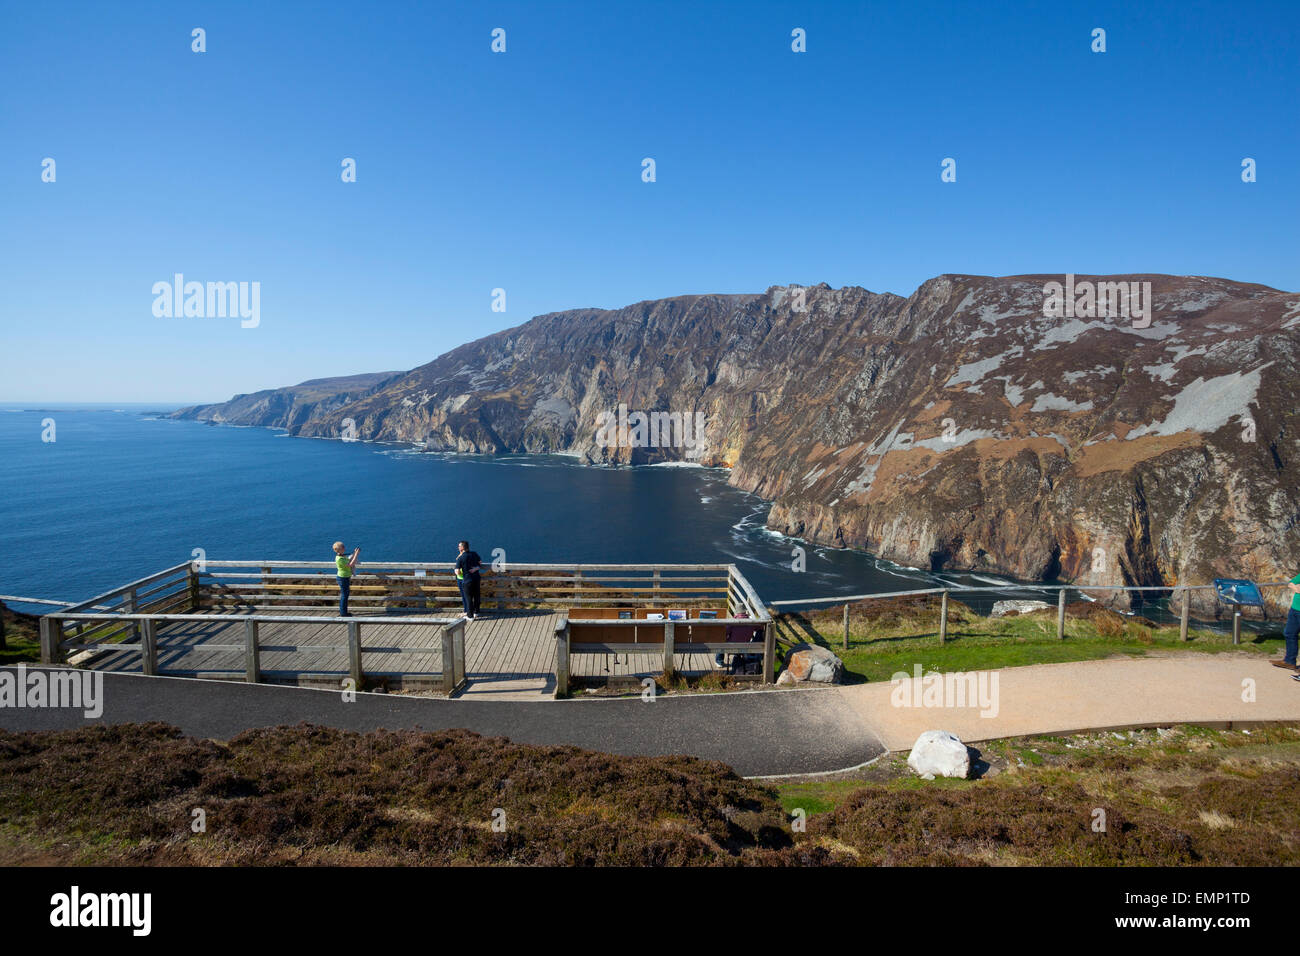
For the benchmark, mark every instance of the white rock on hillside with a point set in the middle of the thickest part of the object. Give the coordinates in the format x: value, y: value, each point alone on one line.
x: 1020, y: 607
x: 938, y: 753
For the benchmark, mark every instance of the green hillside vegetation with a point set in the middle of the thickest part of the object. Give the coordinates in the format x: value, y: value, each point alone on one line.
x: 891, y: 635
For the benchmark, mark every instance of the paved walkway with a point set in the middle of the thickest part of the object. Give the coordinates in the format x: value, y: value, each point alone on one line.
x: 797, y: 731
x: 1090, y: 695
x: 771, y: 732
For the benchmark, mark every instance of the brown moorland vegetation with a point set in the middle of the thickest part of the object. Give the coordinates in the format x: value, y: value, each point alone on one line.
x: 127, y: 794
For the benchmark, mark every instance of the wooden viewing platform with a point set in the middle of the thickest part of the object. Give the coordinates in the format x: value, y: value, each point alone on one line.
x: 542, y: 627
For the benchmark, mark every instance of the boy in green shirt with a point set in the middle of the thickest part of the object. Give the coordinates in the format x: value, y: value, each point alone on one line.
x: 345, y: 568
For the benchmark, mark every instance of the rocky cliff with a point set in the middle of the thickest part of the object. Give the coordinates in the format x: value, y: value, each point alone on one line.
x: 292, y: 406
x: 965, y: 426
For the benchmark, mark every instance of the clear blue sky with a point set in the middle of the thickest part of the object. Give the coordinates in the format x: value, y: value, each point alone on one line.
x: 523, y: 170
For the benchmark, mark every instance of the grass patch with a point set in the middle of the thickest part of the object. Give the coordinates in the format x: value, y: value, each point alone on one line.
x: 891, y: 636
x: 22, y: 637
x: 816, y: 797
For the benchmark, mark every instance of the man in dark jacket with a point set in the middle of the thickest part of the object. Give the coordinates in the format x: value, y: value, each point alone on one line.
x: 467, y: 578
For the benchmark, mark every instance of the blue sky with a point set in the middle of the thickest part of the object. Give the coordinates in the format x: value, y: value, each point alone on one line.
x: 522, y: 170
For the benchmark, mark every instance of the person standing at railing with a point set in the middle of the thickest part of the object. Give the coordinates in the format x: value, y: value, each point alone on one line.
x: 1292, y: 629
x: 467, y: 578
x: 345, y: 568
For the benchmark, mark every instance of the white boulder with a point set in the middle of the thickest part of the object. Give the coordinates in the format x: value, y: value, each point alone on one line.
x: 1020, y: 607
x: 938, y: 753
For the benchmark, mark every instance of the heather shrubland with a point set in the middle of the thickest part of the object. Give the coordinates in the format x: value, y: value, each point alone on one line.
x: 309, y: 795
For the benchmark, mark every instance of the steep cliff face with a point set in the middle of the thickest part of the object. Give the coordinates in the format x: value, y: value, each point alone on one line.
x: 960, y: 427
x: 292, y: 406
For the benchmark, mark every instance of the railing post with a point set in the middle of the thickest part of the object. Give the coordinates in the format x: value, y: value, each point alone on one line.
x: 1236, y: 626
x: 354, y: 652
x: 149, y: 640
x: 1185, y: 613
x: 668, y: 649
x: 846, y: 625
x: 51, y: 629
x: 562, y: 655
x: 252, y: 654
x: 458, y: 652
x: 450, y: 679
x: 769, y: 651
x: 943, y: 618
x: 194, y: 587
x: 129, y: 601
x: 1060, y: 615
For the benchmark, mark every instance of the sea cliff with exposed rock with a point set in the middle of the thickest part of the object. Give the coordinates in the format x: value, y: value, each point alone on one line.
x: 960, y: 427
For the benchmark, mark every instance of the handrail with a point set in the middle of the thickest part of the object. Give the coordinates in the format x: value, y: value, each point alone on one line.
x: 272, y: 618
x: 757, y: 610
x: 957, y: 588
x: 626, y: 622
x: 126, y: 588
x: 26, y: 600
x: 512, y: 565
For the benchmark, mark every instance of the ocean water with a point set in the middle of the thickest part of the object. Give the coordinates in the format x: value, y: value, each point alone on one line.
x: 121, y: 493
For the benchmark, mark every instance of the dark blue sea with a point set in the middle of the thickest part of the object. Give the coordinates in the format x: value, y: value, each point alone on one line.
x: 121, y: 493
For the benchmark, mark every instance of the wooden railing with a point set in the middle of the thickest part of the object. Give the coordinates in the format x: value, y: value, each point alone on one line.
x: 586, y: 630
x: 305, y: 585
x: 260, y: 592
x: 111, y: 617
x: 577, y: 635
x: 55, y: 628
